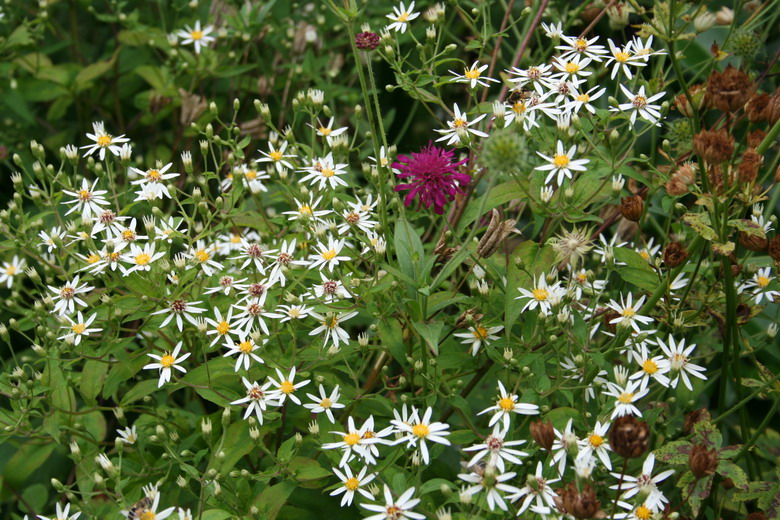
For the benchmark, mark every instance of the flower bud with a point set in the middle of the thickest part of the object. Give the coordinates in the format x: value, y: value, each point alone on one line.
x: 702, y: 461
x: 543, y: 434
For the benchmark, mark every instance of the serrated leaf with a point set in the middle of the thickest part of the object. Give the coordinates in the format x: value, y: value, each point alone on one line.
x: 675, y: 452
x: 700, y: 222
x: 728, y: 469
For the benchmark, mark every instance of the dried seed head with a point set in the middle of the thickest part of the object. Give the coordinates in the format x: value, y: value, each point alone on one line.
x: 748, y: 167
x: 495, y: 234
x: 755, y: 137
x: 774, y: 248
x: 629, y: 437
x: 680, y: 180
x: 702, y: 460
x: 696, y: 416
x: 728, y: 91
x: 755, y: 108
x: 579, y: 504
x: 674, y: 255
x: 543, y: 434
x: 714, y: 147
x: 632, y: 208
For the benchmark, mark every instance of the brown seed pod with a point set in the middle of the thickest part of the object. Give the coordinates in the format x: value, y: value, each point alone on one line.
x: 629, y: 437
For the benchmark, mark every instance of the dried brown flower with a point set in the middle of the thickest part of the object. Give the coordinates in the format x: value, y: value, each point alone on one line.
x: 748, y: 167
x: 728, y: 91
x: 674, y: 255
x: 608, y: 317
x: 681, y: 179
x: 756, y: 106
x: 495, y: 234
x: 774, y: 248
x: 468, y: 317
x: 684, y: 106
x: 632, y: 207
x: 579, y: 504
x: 629, y: 437
x: 714, y: 146
x: 752, y: 242
x: 755, y: 137
x: 702, y: 460
x: 772, y: 110
x: 696, y: 416
x: 543, y: 433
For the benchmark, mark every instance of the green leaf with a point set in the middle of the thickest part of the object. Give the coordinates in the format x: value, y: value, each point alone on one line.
x: 728, y: 469
x: 273, y: 498
x: 498, y: 195
x: 675, y: 452
x: 409, y: 252
x: 25, y: 461
x: 749, y: 227
x: 639, y: 277
x: 390, y: 332
x: 216, y: 514
x: 700, y: 222
x: 430, y: 332
x: 92, y: 72
x: 92, y: 377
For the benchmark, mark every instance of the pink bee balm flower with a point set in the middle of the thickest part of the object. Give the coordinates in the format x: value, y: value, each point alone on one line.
x: 432, y: 175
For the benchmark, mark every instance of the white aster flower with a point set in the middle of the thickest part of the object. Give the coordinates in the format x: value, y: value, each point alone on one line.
x: 166, y: 363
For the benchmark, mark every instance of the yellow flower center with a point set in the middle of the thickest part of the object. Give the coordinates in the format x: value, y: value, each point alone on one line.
x: 85, y: 195
x: 235, y: 239
x: 519, y: 107
x: 540, y: 294
x: 582, y: 278
x: 369, y: 434
x: 331, y: 323
x: 629, y: 312
x: 147, y: 515
x: 196, y: 35
x: 626, y: 397
x: 128, y: 235
x: 328, y: 172
x: 251, y: 174
x: 305, y: 210
x: 10, y: 270
x: 153, y: 175
x: 104, y: 140
x: 167, y: 361
x: 650, y: 367
x: 352, y: 484
x: 572, y: 68
x: 421, y: 430
x: 645, y: 255
x: 202, y: 255
x: 639, y: 101
x: 472, y: 73
x: 581, y: 44
x: 643, y: 513
x: 583, y: 97
x: 561, y: 160
x: 459, y: 123
x: 404, y: 16
x: 596, y: 440
x: 480, y: 333
x: 762, y: 281
x: 142, y: 259
x: 287, y: 387
x: 276, y: 155
x: 94, y: 257
x: 325, y: 131
x: 294, y: 313
x: 245, y: 347
x: 223, y: 328
x: 506, y: 403
x: 326, y: 403
x: 351, y: 439
x: 621, y: 57
x: 329, y: 255
x: 79, y: 328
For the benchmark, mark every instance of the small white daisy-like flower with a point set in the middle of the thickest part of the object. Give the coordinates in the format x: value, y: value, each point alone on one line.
x: 307, y: 210
x: 653, y: 368
x: 572, y: 69
x: 422, y: 430
x: 679, y: 362
x: 10, y: 270
x: 180, y: 308
x: 356, y: 442
x: 129, y: 435
x: 473, y: 76
x: 203, y: 256
x: 79, y: 327
x: 460, y: 127
x: 166, y: 363
x: 276, y: 156
x: 327, y: 131
x: 584, y: 99
x: 62, y: 513
x: 640, y: 104
x: 401, y: 17
x: 245, y: 347
x: 496, y: 449
x: 623, y: 59
x: 538, y: 76
x: 627, y: 311
x: 325, y: 403
x: 103, y: 141
x: 86, y: 200
x: 759, y: 286
x: 325, y: 172
x: 645, y: 49
x: 285, y: 387
x: 227, y: 284
x: 395, y: 509
x: 52, y: 238
x: 152, y: 179
x: 222, y: 327
x: 328, y: 255
x: 596, y: 445
x: 479, y: 335
x: 625, y: 397
x: 258, y: 397
x: 290, y: 312
x: 507, y: 404
x: 330, y: 324
x: 542, y: 295
x: 197, y: 36
x: 168, y: 228
x: 577, y: 47
x: 553, y: 30
x: 67, y: 297
x: 646, y: 483
x: 330, y: 290
x: 564, y: 443
x: 351, y: 484
x: 491, y: 486
x: 537, y: 490
x: 562, y: 163
x: 140, y: 258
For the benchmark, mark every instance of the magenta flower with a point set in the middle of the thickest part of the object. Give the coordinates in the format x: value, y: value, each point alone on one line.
x: 432, y: 175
